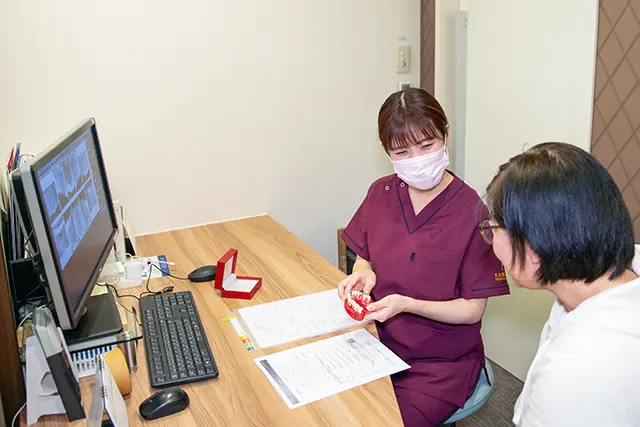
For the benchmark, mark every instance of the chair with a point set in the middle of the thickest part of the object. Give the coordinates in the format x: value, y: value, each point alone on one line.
x: 477, y: 400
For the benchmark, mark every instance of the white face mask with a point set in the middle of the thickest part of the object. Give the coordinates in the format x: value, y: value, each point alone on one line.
x: 423, y: 172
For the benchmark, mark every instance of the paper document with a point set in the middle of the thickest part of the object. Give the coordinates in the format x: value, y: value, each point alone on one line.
x: 314, y: 371
x: 106, y: 396
x: 291, y: 319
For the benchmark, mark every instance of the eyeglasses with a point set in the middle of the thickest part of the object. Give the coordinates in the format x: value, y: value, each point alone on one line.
x: 486, y: 230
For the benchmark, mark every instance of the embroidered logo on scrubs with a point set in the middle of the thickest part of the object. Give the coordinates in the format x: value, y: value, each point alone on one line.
x: 502, y: 276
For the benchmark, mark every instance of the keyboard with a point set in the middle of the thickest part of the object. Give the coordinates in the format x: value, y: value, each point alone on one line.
x: 176, y: 346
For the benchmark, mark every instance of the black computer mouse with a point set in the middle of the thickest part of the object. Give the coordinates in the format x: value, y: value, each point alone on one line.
x: 163, y: 403
x: 205, y: 273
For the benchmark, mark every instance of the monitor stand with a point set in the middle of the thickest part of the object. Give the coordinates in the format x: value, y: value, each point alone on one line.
x: 98, y: 325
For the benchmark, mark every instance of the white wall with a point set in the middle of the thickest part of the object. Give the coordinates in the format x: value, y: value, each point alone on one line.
x: 211, y: 110
x: 530, y: 79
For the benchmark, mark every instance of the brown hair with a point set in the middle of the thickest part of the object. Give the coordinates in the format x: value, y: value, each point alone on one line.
x: 410, y: 116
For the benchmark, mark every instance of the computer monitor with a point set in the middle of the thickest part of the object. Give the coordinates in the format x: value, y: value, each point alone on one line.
x: 65, y: 193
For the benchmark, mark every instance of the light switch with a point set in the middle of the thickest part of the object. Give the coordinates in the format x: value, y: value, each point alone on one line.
x: 404, y: 59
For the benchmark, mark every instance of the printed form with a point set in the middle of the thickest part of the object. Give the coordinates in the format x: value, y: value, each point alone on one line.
x: 291, y: 319
x: 314, y: 371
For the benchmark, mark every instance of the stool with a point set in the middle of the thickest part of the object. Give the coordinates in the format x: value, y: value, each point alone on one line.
x: 478, y: 399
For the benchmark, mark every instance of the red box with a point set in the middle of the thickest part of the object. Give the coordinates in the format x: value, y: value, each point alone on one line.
x: 230, y: 285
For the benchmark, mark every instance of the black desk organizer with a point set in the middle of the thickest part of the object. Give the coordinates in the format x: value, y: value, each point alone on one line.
x: 25, y: 284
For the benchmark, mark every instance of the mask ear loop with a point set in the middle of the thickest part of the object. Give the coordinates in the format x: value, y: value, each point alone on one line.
x: 444, y: 144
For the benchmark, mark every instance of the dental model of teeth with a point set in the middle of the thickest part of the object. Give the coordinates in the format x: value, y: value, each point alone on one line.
x: 358, y: 301
x: 356, y: 304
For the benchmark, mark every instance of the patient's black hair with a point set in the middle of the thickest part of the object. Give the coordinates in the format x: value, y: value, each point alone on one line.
x: 564, y: 203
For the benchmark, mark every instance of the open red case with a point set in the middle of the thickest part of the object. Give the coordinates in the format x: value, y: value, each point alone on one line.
x: 230, y: 285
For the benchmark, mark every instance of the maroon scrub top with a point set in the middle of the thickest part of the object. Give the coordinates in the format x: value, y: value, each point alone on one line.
x: 437, y: 255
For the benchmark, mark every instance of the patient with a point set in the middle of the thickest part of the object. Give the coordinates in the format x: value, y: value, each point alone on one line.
x: 559, y: 223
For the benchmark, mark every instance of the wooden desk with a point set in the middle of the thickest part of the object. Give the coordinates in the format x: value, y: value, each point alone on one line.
x: 241, y: 395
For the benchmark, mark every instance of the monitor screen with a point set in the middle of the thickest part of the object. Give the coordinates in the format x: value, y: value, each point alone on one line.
x: 78, y: 211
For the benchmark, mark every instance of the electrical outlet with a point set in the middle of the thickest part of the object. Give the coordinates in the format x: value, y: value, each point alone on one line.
x: 404, y: 59
x: 404, y: 85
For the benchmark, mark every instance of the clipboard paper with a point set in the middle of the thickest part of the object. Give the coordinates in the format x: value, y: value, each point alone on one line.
x: 292, y: 319
x: 304, y: 374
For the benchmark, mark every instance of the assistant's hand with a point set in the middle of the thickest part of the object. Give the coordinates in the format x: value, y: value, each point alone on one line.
x: 387, y: 307
x: 359, y: 281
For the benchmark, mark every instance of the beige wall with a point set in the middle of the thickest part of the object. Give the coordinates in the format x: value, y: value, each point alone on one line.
x: 530, y: 79
x: 210, y: 110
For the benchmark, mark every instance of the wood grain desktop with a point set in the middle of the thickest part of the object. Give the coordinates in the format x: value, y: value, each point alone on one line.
x: 242, y: 395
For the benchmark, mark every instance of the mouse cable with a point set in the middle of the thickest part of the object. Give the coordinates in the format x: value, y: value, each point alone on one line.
x: 165, y: 273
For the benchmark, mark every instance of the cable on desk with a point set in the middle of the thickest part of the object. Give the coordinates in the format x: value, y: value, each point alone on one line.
x: 24, y: 319
x: 29, y: 315
x: 15, y: 417
x: 164, y: 290
x: 151, y: 263
x: 168, y: 274
x: 129, y: 311
x: 147, y: 286
x: 116, y: 291
x: 118, y: 296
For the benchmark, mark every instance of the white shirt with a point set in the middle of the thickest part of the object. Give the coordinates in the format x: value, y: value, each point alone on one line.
x: 587, y: 369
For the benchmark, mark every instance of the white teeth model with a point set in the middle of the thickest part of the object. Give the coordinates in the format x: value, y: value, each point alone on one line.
x: 355, y: 306
x: 366, y: 299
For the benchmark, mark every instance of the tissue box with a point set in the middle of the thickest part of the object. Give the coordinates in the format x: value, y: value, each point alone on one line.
x: 230, y: 285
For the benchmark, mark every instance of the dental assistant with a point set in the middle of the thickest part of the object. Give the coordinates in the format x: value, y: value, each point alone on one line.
x: 420, y: 255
